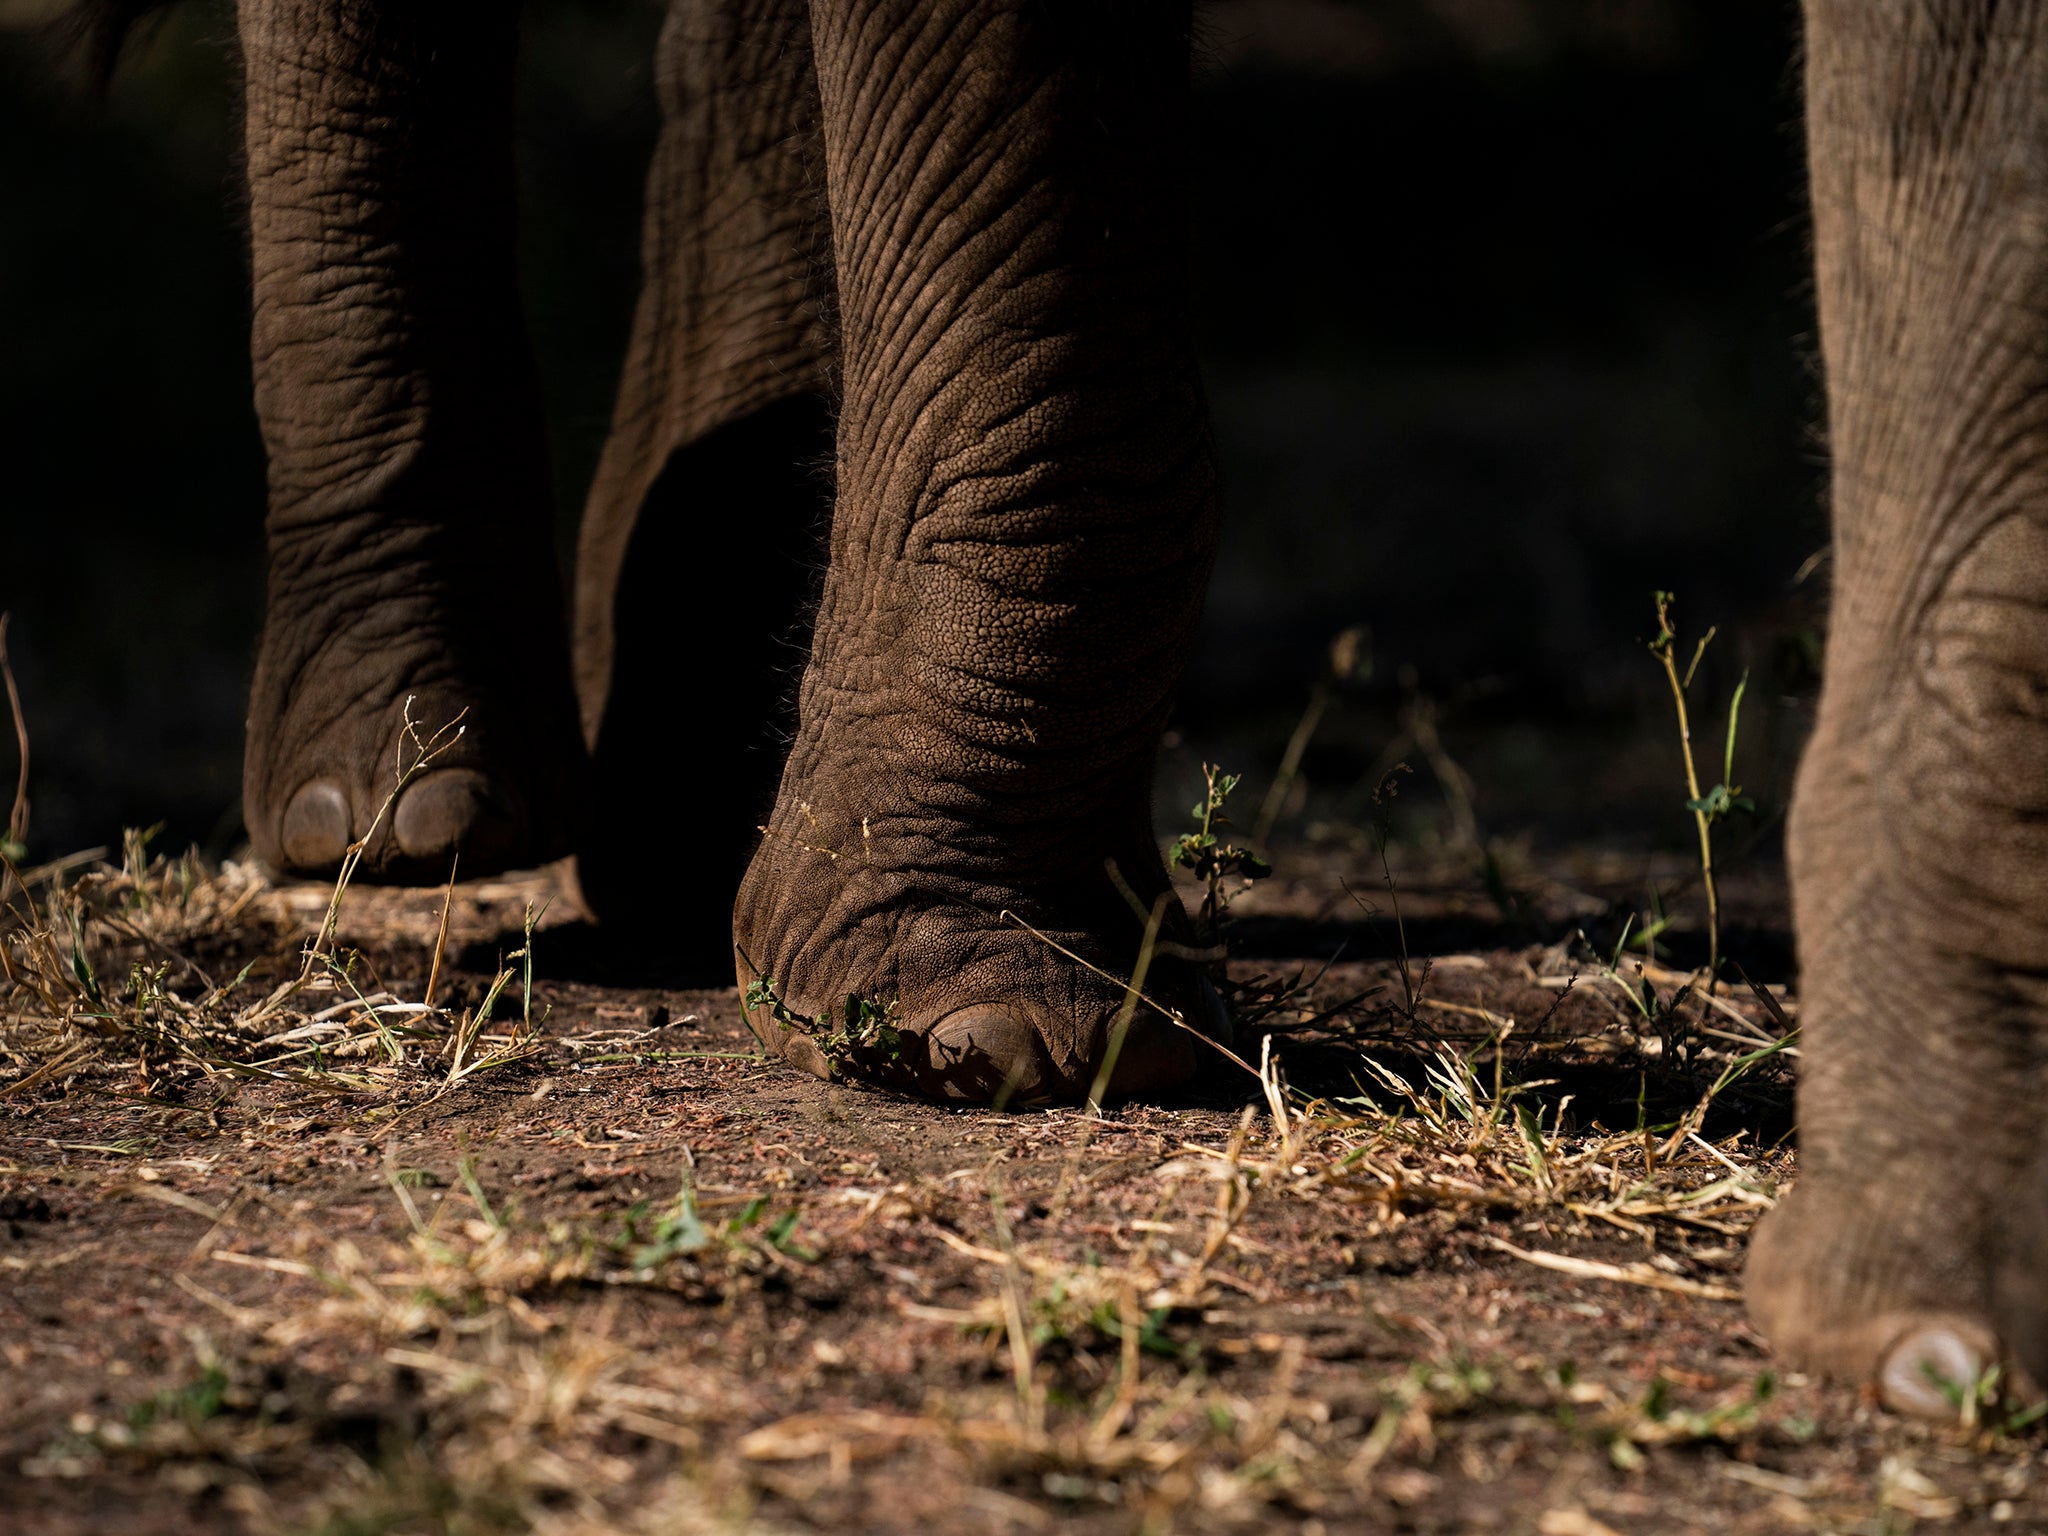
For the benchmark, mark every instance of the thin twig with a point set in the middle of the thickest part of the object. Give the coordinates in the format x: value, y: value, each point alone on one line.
x: 17, y: 817
x: 1663, y: 651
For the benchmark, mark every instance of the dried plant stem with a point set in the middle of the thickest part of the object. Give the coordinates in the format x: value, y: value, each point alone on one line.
x: 1166, y: 1013
x: 1665, y: 654
x: 441, y: 933
x: 1133, y: 990
x: 17, y: 817
x: 1290, y: 764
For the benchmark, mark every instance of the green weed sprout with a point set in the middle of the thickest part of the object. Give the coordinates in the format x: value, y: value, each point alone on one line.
x: 1713, y: 805
x: 1204, y: 852
x: 864, y: 1025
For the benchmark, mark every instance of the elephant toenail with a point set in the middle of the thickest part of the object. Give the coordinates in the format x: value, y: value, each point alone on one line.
x: 1933, y: 1370
x: 455, y: 810
x: 990, y: 1055
x: 315, y: 833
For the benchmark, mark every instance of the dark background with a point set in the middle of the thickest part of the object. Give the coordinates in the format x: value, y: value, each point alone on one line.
x: 1503, y: 312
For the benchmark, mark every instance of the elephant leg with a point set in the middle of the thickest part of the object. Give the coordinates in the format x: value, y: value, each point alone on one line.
x: 410, y: 551
x: 1915, y: 1245
x: 1025, y: 517
x: 720, y: 441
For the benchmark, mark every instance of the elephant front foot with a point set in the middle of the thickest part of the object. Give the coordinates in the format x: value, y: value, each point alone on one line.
x: 1933, y: 1311
x: 436, y: 732
x: 948, y: 977
x: 1911, y: 1258
x: 419, y: 822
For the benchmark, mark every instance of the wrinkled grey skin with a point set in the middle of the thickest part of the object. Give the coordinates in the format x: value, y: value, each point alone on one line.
x: 960, y: 224
x: 987, y: 200
x: 1919, y: 837
x: 408, y: 523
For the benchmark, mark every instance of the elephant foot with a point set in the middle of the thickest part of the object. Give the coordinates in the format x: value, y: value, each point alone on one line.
x: 460, y: 800
x: 953, y: 888
x: 1932, y: 1311
x: 1911, y: 1258
x: 958, y: 984
x: 416, y: 726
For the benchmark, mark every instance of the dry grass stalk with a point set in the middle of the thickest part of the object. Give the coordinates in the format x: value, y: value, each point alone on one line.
x: 68, y: 934
x: 17, y: 815
x: 527, y: 1388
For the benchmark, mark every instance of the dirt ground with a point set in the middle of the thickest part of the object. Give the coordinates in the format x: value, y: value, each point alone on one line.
x: 583, y: 1261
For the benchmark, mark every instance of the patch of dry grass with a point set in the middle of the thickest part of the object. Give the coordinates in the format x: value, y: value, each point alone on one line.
x: 506, y: 1396
x: 1134, y: 1356
x: 103, y: 967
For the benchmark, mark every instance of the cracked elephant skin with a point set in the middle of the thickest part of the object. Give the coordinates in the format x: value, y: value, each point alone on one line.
x: 913, y: 334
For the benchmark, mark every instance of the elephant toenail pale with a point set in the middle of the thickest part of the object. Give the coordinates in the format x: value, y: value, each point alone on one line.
x: 1930, y: 1371
x: 989, y: 1054
x: 453, y: 809
x: 315, y: 834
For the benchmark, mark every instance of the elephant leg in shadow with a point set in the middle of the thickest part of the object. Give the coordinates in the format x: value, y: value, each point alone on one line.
x: 704, y: 531
x: 410, y: 572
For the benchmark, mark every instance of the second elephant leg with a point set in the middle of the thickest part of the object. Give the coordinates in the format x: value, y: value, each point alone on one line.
x: 685, y: 654
x: 1025, y: 521
x: 411, y: 563
x: 1914, y: 1250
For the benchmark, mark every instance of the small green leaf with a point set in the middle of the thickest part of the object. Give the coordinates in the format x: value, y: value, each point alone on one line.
x: 1657, y: 1401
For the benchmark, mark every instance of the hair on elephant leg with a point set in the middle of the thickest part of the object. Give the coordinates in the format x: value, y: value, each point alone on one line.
x: 955, y: 882
x: 704, y: 531
x: 1910, y: 1256
x: 411, y: 571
